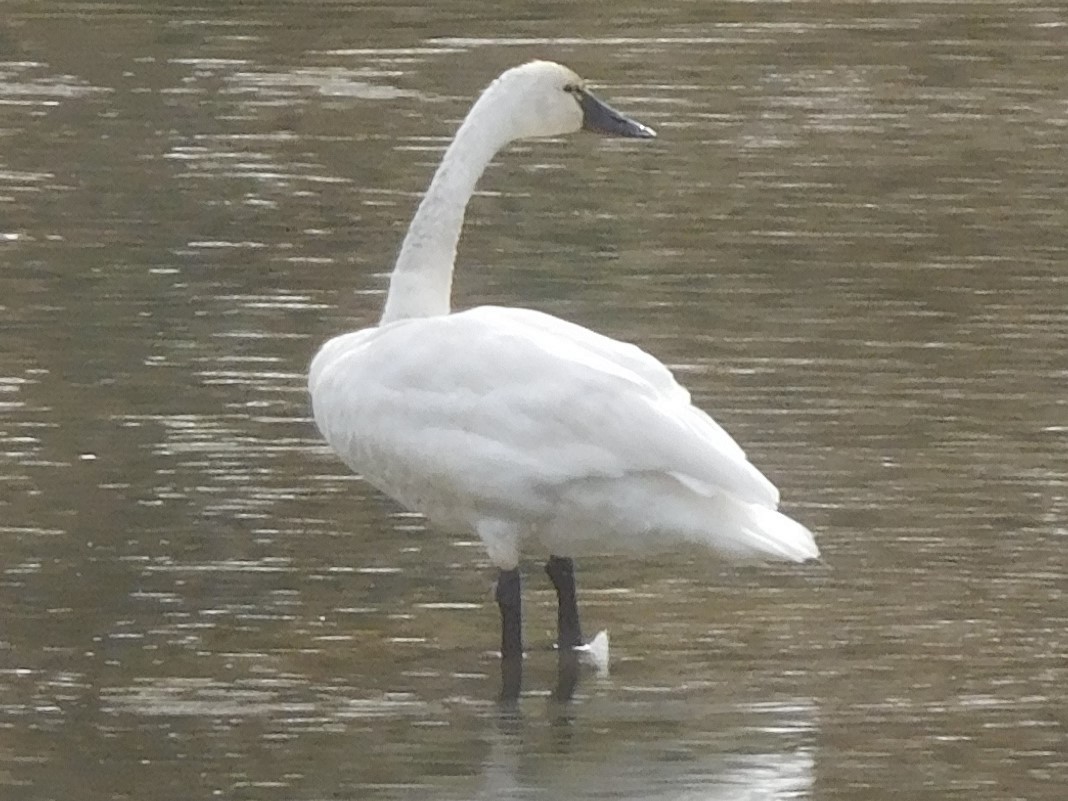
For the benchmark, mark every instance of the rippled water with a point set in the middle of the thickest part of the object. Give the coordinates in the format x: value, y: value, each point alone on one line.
x: 849, y: 242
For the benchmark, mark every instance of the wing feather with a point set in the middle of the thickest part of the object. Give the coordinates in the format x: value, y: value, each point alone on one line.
x: 509, y: 405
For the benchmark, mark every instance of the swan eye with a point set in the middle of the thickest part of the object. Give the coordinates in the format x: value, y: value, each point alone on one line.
x: 573, y: 89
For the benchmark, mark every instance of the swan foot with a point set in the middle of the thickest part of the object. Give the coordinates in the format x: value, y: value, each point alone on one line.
x: 595, y: 652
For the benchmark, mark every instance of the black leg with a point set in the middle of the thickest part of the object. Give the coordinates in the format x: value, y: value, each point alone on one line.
x: 510, y: 601
x: 562, y: 572
x: 567, y: 674
x: 511, y: 680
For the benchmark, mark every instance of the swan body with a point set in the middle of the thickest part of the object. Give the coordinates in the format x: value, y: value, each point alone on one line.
x: 519, y: 426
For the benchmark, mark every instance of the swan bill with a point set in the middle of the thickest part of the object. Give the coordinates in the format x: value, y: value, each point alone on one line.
x: 599, y: 117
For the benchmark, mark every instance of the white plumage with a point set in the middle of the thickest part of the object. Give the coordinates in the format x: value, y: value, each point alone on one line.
x: 515, y: 421
x: 522, y: 427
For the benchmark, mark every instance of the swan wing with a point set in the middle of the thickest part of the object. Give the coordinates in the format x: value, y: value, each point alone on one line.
x: 608, y: 369
x: 549, y: 329
x: 505, y: 406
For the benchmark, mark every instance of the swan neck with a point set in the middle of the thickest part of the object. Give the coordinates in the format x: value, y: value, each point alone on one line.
x: 421, y: 282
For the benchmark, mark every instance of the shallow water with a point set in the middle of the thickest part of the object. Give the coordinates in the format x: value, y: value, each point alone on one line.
x: 848, y: 241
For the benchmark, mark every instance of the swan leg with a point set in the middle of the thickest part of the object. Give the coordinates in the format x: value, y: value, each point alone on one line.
x: 511, y: 680
x: 561, y: 571
x: 510, y: 601
x: 567, y: 674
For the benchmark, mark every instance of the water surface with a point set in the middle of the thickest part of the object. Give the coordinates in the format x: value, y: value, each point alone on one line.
x: 848, y: 241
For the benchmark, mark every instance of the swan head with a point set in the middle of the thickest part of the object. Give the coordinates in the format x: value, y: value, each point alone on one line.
x: 543, y: 98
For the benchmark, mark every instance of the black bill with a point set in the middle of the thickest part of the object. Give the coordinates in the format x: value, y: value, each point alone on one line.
x: 602, y: 118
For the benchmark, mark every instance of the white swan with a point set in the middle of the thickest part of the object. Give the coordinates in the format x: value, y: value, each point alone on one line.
x: 522, y: 427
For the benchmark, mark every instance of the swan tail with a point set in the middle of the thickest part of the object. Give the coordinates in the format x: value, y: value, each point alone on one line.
x: 749, y: 532
x: 650, y: 512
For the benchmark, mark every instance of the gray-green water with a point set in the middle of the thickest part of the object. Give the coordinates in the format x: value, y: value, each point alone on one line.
x: 849, y: 241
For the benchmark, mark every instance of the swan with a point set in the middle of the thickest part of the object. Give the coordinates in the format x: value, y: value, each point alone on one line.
x: 520, y: 427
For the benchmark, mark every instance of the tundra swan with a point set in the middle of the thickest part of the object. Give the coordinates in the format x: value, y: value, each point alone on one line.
x: 519, y: 426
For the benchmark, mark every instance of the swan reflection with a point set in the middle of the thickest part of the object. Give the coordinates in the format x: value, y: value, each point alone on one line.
x: 569, y: 664
x: 765, y: 753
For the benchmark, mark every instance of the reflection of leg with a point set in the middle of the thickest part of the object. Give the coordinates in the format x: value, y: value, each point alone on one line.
x: 562, y: 572
x: 511, y: 679
x: 510, y: 601
x: 567, y: 674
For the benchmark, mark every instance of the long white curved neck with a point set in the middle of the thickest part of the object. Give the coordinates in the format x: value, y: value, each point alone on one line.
x: 421, y: 283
